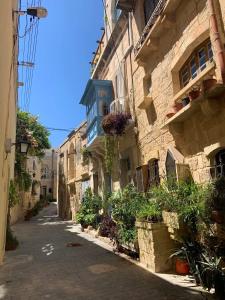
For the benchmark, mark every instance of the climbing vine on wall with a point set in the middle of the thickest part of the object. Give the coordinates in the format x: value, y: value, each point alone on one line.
x: 110, y: 142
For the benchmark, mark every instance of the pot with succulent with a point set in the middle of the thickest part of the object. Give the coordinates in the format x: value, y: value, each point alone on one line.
x: 181, y: 262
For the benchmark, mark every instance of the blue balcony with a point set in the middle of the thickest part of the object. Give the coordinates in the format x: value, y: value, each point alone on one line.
x: 97, y: 98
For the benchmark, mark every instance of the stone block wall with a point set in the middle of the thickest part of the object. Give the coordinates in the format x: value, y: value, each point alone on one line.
x: 155, y: 246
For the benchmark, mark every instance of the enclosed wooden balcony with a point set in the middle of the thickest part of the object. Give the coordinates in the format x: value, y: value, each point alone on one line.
x: 97, y: 98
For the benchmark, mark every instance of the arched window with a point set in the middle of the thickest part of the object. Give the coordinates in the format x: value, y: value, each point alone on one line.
x: 196, y: 63
x: 171, y: 173
x: 219, y: 165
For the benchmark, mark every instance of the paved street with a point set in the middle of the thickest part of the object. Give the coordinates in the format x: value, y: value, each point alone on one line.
x: 43, y: 267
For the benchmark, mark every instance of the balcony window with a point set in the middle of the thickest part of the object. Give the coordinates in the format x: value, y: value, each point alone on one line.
x: 149, y: 7
x: 219, y: 165
x: 197, y: 62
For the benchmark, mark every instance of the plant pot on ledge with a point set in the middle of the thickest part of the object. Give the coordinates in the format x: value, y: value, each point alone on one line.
x: 194, y: 94
x: 174, y: 109
x: 207, y: 84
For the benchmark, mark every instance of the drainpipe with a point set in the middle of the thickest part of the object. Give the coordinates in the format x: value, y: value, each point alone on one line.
x: 216, y: 39
x: 131, y: 43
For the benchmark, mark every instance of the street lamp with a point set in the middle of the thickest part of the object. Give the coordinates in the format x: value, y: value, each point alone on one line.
x: 24, y: 146
x: 37, y: 12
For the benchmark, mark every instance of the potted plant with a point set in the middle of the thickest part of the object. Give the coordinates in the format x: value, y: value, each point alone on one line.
x: 194, y: 94
x: 181, y: 263
x: 174, y: 109
x: 115, y: 123
x: 207, y: 84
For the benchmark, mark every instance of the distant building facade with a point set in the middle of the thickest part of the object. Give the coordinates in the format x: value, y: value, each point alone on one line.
x: 48, y: 180
x: 73, y: 172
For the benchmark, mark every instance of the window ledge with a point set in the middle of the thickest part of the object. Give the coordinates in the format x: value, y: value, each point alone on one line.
x: 147, y: 100
x: 186, y: 112
x: 194, y: 82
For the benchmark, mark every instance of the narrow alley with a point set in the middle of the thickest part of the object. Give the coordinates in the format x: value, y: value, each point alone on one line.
x: 43, y: 267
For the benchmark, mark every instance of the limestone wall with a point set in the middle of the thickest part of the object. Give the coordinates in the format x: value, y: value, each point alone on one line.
x: 8, y: 102
x: 200, y: 131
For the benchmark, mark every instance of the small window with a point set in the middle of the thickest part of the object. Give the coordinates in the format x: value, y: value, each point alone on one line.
x: 185, y: 76
x: 196, y: 63
x: 219, y: 165
x: 202, y: 59
x: 210, y: 52
x: 194, y: 68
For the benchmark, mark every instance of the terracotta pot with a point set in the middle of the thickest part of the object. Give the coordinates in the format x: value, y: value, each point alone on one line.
x: 194, y: 94
x: 218, y: 216
x: 174, y: 109
x: 182, y: 267
x: 208, y: 84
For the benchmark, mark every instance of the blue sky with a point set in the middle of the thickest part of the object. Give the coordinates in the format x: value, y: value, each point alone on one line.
x: 66, y: 40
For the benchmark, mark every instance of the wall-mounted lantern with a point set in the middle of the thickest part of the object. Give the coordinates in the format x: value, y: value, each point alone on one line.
x: 23, y: 146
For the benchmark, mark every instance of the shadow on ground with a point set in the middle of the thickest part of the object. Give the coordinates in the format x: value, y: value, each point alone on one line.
x: 44, y: 267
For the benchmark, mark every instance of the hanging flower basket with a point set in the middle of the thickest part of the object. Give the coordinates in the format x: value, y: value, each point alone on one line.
x: 115, y: 124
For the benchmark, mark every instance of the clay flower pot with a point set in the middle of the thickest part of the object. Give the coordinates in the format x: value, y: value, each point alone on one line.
x: 207, y: 84
x: 194, y: 94
x: 182, y: 267
x: 174, y: 109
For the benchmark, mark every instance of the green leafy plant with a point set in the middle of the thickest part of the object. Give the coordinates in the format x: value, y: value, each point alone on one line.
x: 88, y: 213
x: 86, y: 154
x: 125, y: 206
x: 13, y: 194
x: 109, y: 152
x: 150, y: 211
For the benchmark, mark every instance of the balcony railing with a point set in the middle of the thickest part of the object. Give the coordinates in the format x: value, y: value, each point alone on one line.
x: 119, y: 105
x: 157, y: 12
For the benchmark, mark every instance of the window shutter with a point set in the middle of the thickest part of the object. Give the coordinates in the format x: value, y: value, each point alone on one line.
x: 142, y: 178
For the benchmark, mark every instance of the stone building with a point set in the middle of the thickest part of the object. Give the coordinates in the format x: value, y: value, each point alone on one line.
x: 73, y: 172
x: 163, y: 63
x: 48, y: 180
x: 109, y: 92
x: 179, y: 73
x: 29, y: 198
x: 8, y: 103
